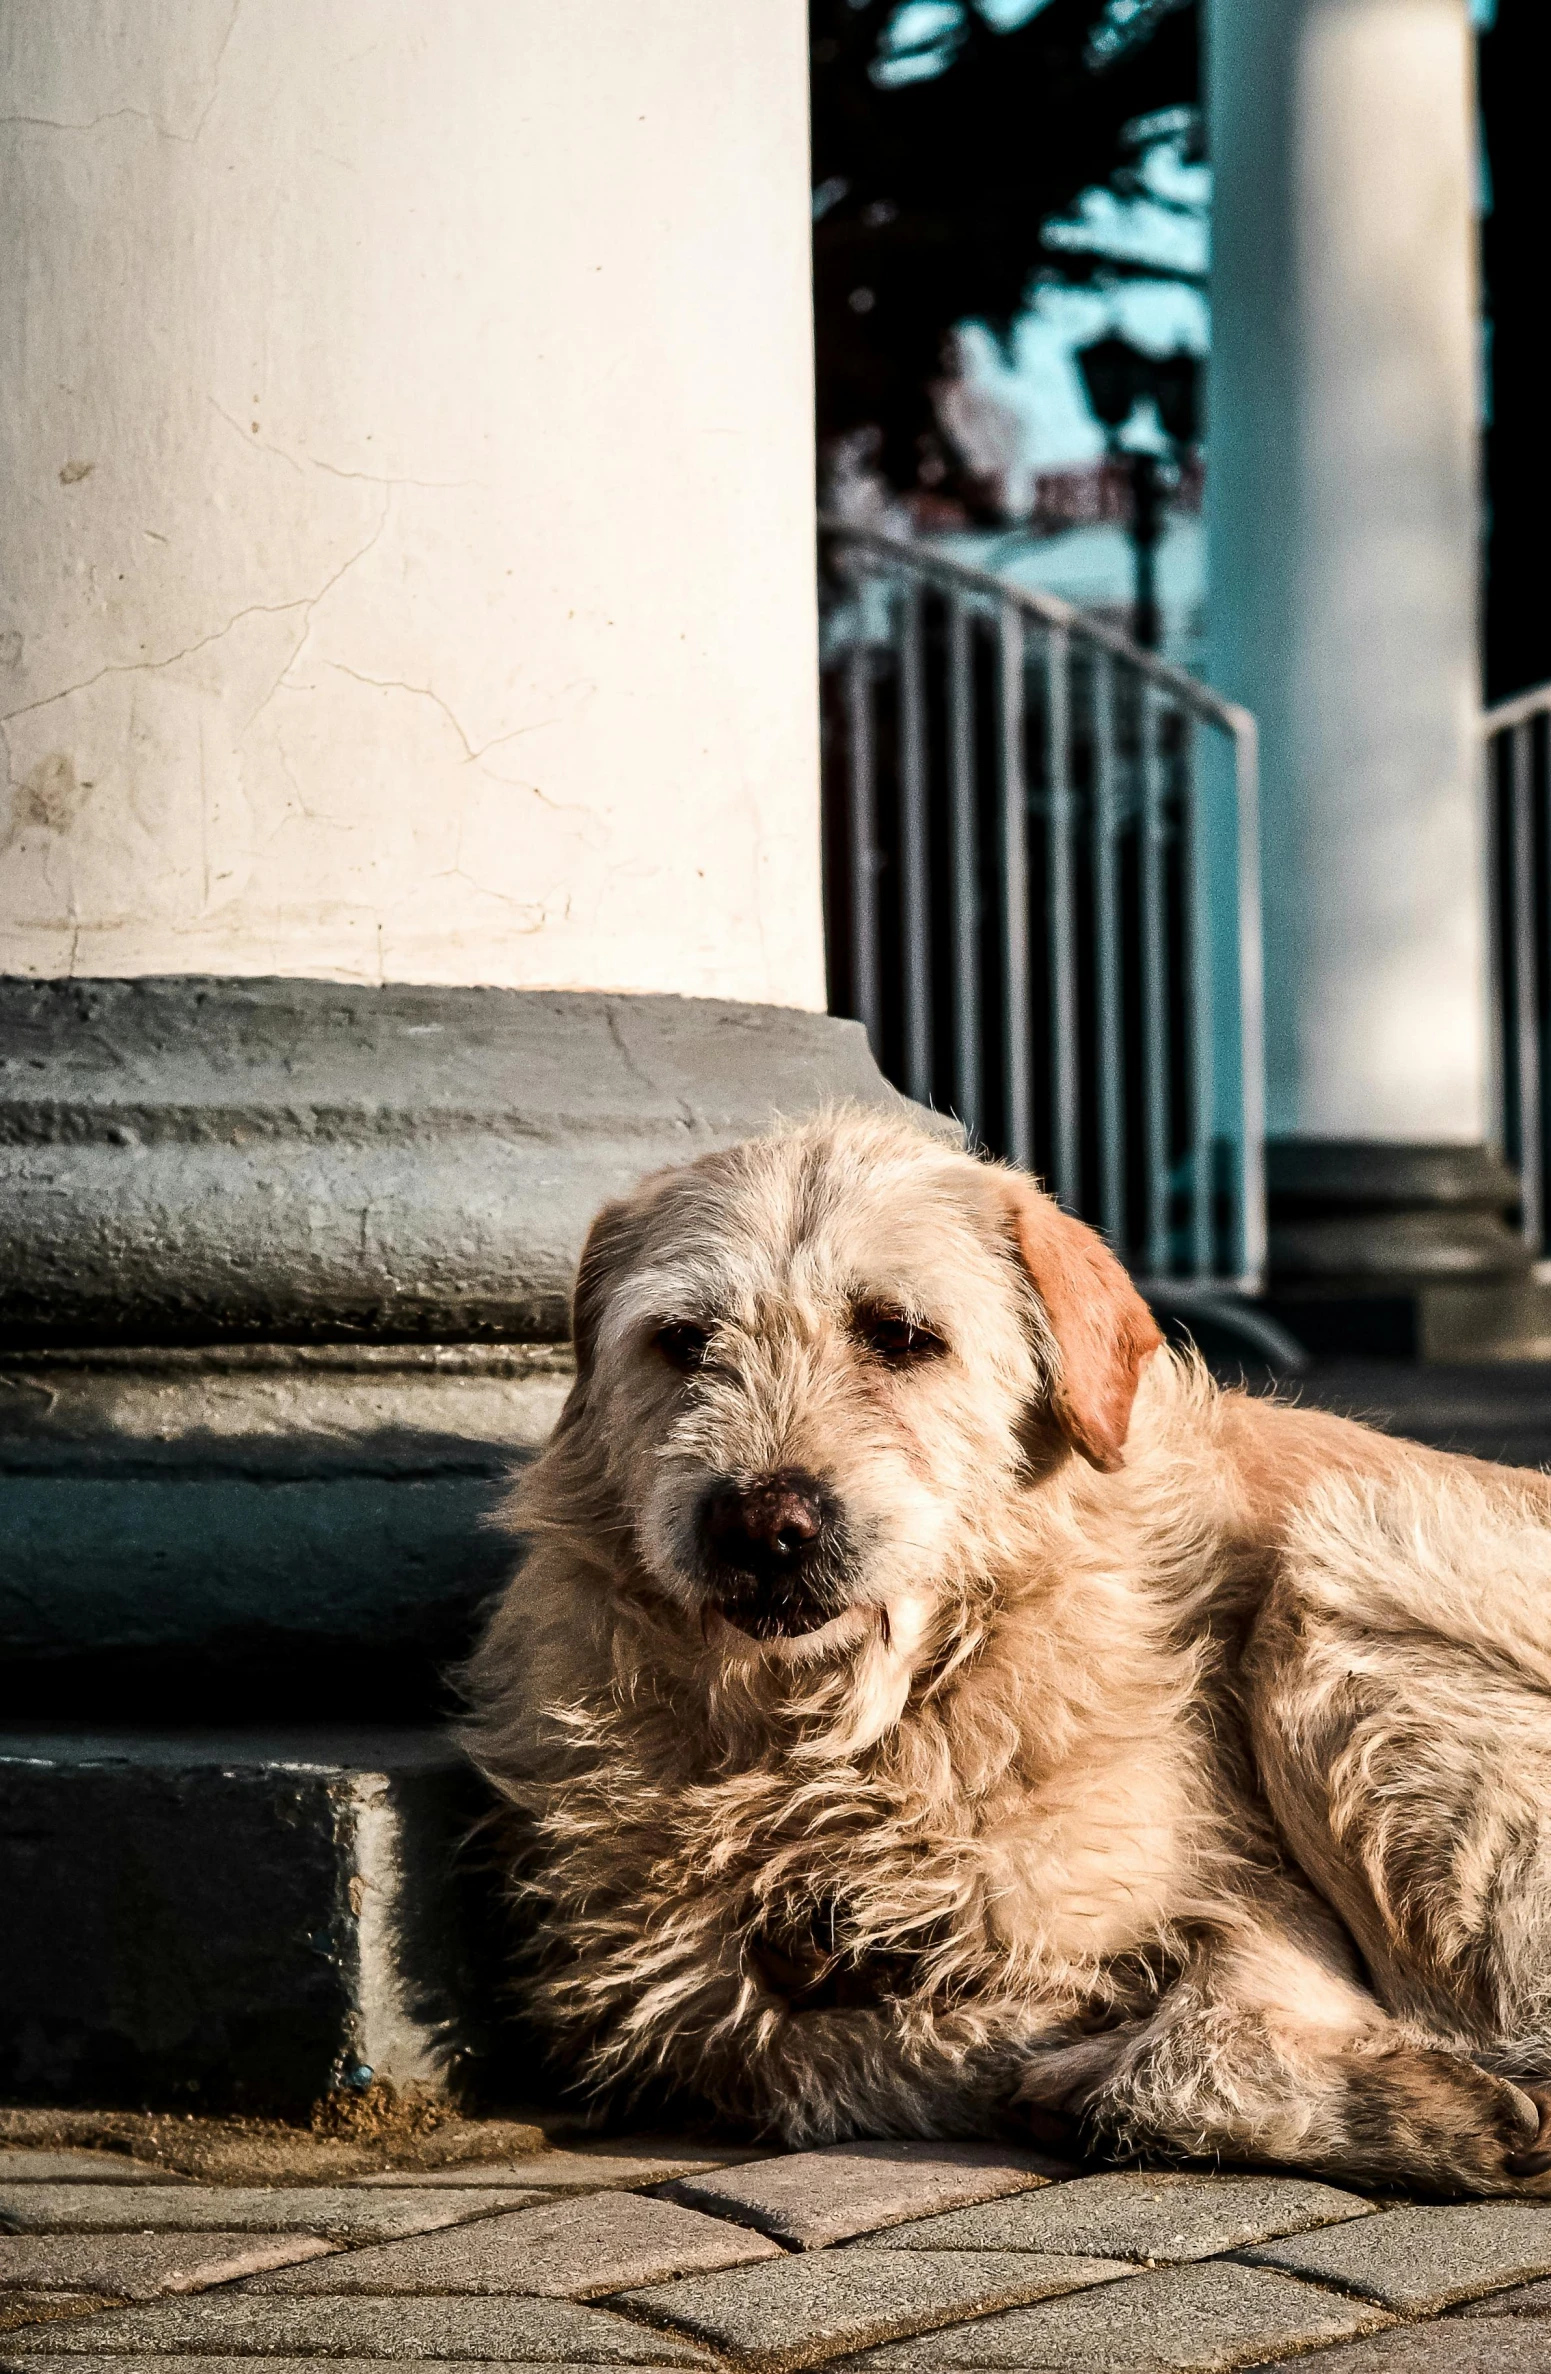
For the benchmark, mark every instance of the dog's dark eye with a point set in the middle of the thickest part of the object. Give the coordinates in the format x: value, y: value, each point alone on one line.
x: 890, y: 1336
x: 682, y: 1344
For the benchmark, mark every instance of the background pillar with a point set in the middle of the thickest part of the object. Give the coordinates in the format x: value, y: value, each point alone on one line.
x: 1343, y: 565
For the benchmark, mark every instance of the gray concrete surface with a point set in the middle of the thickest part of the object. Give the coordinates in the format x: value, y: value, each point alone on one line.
x: 341, y: 2213
x: 197, y: 1157
x: 1193, y: 2320
x: 586, y: 2171
x: 568, y: 2249
x: 139, y: 2266
x: 517, y: 2329
x: 813, y: 2306
x: 1447, y: 2348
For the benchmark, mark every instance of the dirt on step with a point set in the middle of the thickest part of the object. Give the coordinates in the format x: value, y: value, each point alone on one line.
x: 350, y: 2134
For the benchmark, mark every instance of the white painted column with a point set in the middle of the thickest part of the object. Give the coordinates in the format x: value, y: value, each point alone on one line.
x: 406, y: 493
x: 1343, y: 545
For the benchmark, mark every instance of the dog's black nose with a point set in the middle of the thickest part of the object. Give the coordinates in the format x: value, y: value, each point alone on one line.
x: 769, y: 1528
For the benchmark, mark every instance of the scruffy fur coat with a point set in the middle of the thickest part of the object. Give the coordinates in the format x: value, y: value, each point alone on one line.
x: 1131, y: 1759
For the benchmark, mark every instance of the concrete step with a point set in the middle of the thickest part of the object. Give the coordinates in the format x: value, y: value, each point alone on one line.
x: 1489, y: 1409
x: 242, y: 1527
x: 245, y: 1922
x: 1438, y: 1321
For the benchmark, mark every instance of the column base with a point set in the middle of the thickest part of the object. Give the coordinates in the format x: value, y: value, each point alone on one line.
x: 1403, y: 1251
x: 284, y: 1291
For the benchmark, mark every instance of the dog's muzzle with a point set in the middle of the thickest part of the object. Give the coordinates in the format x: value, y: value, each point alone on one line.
x: 771, y: 1552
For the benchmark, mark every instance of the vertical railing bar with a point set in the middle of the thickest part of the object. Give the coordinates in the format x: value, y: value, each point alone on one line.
x: 1539, y: 728
x: 1497, y: 848
x: 1018, y: 1052
x: 1526, y: 985
x: 863, y: 831
x: 1065, y: 1137
x: 966, y: 868
x: 1203, y: 1084
x: 915, y: 897
x: 1155, y: 1018
x: 1106, y: 933
x: 1252, y: 1028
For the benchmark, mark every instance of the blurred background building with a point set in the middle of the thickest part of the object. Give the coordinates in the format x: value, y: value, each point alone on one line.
x: 1178, y: 314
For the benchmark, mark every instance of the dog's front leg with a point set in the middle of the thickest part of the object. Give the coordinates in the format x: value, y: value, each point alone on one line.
x: 1282, y: 2061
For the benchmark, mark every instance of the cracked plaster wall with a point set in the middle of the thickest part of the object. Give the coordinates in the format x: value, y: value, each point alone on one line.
x: 406, y: 493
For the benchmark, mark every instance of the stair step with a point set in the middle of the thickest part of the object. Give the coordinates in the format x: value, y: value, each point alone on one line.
x: 240, y: 1921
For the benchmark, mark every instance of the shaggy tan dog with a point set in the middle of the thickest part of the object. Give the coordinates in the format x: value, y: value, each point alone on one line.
x: 941, y: 1710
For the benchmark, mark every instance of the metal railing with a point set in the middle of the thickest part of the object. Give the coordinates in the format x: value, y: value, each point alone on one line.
x: 1043, y: 896
x: 1516, y: 749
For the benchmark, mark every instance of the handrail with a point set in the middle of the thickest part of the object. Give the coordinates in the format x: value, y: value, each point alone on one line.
x: 919, y: 571
x: 1051, y: 611
x: 1518, y: 711
x: 1513, y: 786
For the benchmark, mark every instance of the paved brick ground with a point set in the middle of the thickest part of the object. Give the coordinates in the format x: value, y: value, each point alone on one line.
x: 879, y: 2259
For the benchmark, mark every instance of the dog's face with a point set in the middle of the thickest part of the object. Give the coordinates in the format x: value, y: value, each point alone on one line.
x: 812, y: 1369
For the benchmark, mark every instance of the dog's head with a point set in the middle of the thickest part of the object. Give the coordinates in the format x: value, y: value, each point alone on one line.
x: 812, y: 1369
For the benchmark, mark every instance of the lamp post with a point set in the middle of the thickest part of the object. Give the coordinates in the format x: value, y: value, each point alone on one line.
x: 1117, y: 376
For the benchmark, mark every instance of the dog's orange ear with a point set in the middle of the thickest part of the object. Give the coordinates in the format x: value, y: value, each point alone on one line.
x: 1102, y: 1327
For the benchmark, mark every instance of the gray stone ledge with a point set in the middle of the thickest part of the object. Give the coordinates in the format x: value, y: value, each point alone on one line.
x: 193, y: 1159
x: 284, y: 1281
x: 247, y: 1501
x: 296, y: 1410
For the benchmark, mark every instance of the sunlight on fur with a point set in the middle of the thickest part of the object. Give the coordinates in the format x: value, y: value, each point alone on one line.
x: 929, y: 1706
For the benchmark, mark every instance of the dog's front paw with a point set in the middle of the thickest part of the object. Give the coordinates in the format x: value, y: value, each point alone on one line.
x: 1535, y: 2158
x: 1512, y: 2145
x: 1431, y: 2117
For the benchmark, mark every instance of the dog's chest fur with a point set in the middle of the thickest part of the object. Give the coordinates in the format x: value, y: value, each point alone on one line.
x: 1031, y: 1890
x: 953, y: 1860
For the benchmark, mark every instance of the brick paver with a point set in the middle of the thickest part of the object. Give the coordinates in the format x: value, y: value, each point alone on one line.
x: 275, y: 2365
x: 605, y: 2242
x: 577, y: 2171
x: 1421, y: 2260
x: 342, y: 2213
x: 36, y: 2308
x: 1447, y: 2348
x: 881, y: 2258
x: 800, y: 2310
x: 1525, y: 2299
x: 1188, y: 2320
x: 512, y: 2331
x: 809, y: 2198
x: 1154, y: 2218
x: 138, y: 2266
